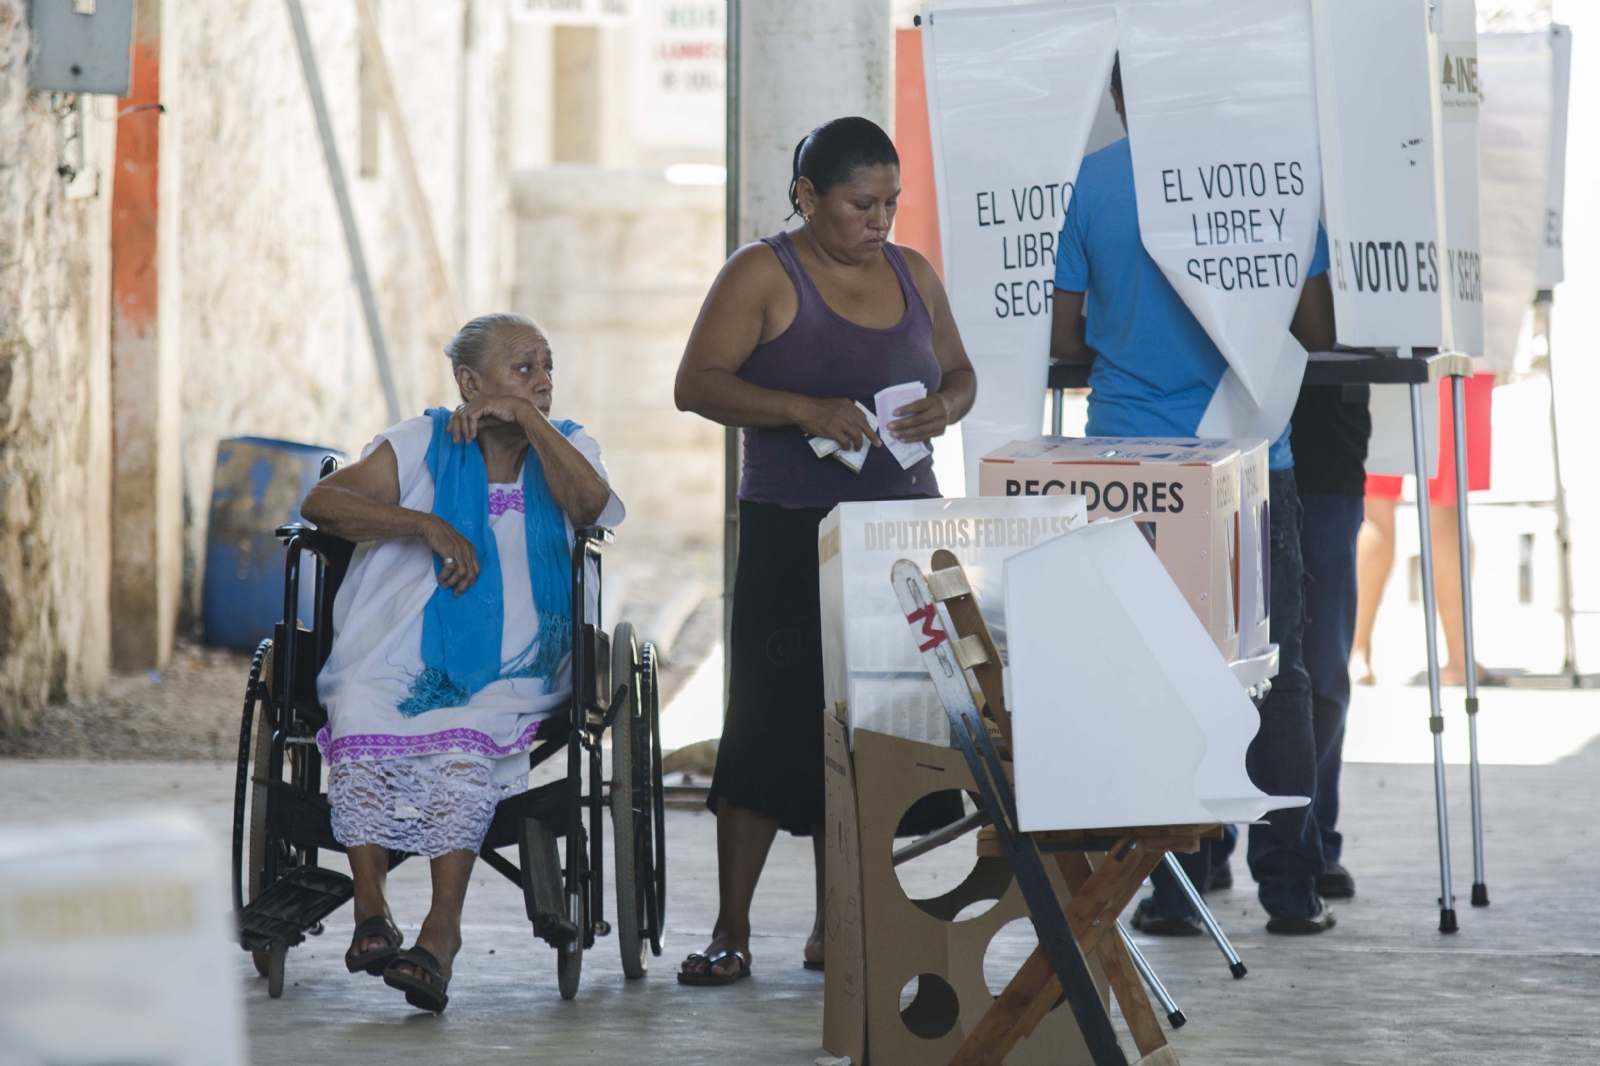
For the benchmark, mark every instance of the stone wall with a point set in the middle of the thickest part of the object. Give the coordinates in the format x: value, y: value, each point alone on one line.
x: 54, y: 387
x: 271, y: 337
x: 615, y: 264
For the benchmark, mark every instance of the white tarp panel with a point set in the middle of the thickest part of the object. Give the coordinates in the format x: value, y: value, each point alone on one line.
x: 1374, y: 96
x: 1123, y: 712
x: 1456, y: 61
x: 1222, y: 124
x: 1012, y: 95
x: 1551, y: 265
x: 1514, y: 123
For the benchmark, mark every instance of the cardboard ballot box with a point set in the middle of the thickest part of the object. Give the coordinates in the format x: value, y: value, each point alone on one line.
x: 869, y: 661
x: 116, y: 945
x: 1185, y: 495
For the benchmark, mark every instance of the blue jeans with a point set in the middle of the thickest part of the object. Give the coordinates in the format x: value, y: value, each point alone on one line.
x: 1285, y: 855
x: 1328, y: 543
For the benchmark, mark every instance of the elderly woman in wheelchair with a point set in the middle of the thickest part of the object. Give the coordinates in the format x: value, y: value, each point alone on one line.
x: 452, y: 630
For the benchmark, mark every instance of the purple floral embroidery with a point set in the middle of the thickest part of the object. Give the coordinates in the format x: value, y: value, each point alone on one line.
x: 388, y: 746
x: 501, y: 501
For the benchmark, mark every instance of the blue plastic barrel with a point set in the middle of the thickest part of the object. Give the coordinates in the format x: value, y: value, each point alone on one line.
x: 259, y: 486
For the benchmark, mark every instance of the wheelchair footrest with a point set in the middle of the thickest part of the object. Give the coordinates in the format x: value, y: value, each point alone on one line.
x: 292, y: 904
x: 542, y: 891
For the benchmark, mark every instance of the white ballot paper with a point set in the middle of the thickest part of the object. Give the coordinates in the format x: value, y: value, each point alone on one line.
x: 854, y: 458
x: 1123, y: 711
x: 907, y: 453
x: 1515, y: 71
x: 1012, y: 96
x: 116, y: 945
x: 1222, y: 125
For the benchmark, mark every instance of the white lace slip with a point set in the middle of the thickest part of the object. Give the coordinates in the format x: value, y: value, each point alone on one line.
x: 428, y: 805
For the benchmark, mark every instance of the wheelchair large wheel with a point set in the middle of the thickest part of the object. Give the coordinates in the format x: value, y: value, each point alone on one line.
x: 650, y: 708
x: 249, y: 800
x: 630, y: 819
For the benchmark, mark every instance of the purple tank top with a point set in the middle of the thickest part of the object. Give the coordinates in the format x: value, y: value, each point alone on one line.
x: 824, y: 354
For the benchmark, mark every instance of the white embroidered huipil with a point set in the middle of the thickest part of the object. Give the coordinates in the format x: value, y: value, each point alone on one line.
x: 428, y: 784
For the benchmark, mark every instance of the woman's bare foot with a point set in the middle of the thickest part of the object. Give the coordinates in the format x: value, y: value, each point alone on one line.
x: 1361, y: 670
x: 1455, y: 674
x: 813, y: 952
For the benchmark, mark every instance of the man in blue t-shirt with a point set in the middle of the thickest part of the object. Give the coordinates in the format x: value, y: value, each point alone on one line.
x: 1154, y: 372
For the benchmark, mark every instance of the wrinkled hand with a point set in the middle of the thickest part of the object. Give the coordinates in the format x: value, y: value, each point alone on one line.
x: 464, y: 423
x: 922, y: 419
x: 460, y: 568
x: 838, y: 420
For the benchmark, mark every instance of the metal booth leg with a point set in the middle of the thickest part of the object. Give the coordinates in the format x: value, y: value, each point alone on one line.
x: 1056, y: 402
x: 1447, y: 909
x: 1235, y: 967
x: 1175, y: 1017
x: 1458, y: 396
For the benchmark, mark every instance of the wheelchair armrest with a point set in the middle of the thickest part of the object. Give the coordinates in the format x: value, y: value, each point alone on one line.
x: 332, y: 549
x: 602, y: 534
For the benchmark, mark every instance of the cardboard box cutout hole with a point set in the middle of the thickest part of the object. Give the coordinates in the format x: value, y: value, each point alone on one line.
x: 928, y: 1006
x: 927, y: 880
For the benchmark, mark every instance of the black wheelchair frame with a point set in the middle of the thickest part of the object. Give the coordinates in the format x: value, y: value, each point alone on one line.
x: 282, y: 818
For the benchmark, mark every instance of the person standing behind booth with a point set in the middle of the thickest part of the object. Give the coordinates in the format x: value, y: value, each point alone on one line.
x: 1331, y: 426
x: 797, y: 329
x: 1154, y: 373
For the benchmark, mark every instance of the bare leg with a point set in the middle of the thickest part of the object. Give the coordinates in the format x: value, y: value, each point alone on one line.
x: 441, y: 930
x: 369, y: 865
x: 819, y: 843
x: 743, y: 840
x: 1374, y: 559
x: 1447, y: 593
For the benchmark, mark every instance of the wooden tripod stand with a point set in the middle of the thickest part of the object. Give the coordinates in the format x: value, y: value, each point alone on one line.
x: 1100, y: 888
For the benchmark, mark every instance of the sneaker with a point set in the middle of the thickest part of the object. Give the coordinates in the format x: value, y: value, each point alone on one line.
x: 1221, y: 877
x: 1320, y: 922
x: 1335, y: 882
x: 1144, y: 923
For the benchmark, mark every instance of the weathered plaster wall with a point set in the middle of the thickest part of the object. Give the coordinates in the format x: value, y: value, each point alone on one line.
x: 270, y: 333
x: 615, y: 264
x: 54, y: 388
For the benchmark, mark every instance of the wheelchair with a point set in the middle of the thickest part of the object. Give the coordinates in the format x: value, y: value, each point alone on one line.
x: 282, y: 818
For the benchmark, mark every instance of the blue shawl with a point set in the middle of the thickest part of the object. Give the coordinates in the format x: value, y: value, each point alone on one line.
x: 461, y: 635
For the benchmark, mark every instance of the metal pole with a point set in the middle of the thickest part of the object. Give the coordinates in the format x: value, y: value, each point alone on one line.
x: 1419, y: 448
x: 730, y: 436
x: 1458, y: 395
x: 1056, y: 401
x: 1543, y: 305
x: 1175, y: 1016
x: 347, y: 215
x: 1235, y: 967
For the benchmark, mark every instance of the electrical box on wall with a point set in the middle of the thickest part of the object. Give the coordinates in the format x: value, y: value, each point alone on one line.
x: 80, y: 46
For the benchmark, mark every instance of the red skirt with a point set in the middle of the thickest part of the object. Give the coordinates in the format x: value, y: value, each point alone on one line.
x: 1442, y: 486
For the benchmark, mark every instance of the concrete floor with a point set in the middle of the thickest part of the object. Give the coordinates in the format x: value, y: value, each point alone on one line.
x: 1519, y: 984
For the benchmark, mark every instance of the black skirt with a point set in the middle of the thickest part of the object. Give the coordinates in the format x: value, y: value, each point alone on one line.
x: 770, y: 757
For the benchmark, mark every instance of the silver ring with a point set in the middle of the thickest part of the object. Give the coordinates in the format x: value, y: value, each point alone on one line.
x: 448, y: 561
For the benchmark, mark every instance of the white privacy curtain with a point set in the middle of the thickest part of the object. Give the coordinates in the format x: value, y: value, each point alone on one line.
x: 1222, y: 125
x: 1012, y: 96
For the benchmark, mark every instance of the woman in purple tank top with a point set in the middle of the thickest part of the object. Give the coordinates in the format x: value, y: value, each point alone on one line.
x: 798, y: 329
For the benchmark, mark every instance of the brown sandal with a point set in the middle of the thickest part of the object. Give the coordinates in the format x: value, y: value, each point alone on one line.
x: 376, y: 961
x: 710, y: 977
x: 425, y: 992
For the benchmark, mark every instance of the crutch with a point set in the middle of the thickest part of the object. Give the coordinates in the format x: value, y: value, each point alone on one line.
x: 1235, y: 967
x: 1458, y: 395
x: 1419, y: 448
